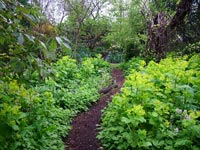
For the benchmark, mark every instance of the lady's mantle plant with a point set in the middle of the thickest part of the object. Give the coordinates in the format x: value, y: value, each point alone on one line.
x: 158, y: 108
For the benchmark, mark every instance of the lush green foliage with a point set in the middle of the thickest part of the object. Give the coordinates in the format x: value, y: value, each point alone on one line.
x: 26, y: 44
x: 115, y: 56
x: 35, y: 113
x: 38, y: 115
x: 29, y: 120
x: 75, y: 87
x: 158, y: 108
x: 136, y: 62
x: 127, y: 30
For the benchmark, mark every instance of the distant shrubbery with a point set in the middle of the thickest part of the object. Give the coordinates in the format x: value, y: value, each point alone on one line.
x: 191, y: 49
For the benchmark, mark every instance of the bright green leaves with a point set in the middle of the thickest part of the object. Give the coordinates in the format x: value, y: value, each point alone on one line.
x: 158, y: 107
x: 135, y: 116
x: 79, y: 83
x: 37, y: 117
x: 137, y: 111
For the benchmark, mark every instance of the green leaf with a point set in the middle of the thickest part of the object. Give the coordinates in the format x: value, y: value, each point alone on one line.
x: 154, y: 114
x: 52, y: 46
x: 66, y: 45
x: 59, y: 40
x: 66, y: 40
x: 15, y: 127
x: 146, y: 144
x: 43, y: 45
x: 30, y: 18
x: 182, y: 142
x: 125, y: 120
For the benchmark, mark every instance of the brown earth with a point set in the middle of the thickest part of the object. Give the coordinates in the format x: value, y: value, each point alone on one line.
x: 84, y: 126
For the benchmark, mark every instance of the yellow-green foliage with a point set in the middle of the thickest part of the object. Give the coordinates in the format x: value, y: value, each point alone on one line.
x: 37, y: 116
x: 29, y: 120
x: 158, y: 108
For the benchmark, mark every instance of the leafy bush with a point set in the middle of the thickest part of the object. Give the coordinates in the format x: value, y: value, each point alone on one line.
x: 75, y: 87
x: 37, y: 116
x: 24, y: 47
x: 158, y: 108
x: 29, y: 120
x: 135, y: 63
x: 116, y: 56
x: 97, y: 64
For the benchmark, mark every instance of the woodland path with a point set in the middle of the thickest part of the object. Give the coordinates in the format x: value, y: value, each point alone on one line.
x: 84, y: 127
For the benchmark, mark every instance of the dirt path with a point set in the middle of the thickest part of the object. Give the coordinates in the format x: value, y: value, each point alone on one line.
x: 84, y: 126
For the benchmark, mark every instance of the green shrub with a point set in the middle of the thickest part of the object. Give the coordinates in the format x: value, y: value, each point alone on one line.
x: 158, y: 108
x: 29, y: 120
x: 75, y: 87
x: 135, y: 63
x: 65, y: 69
x: 38, y: 115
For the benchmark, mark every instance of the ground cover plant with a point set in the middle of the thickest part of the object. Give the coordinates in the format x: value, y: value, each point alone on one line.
x: 37, y: 115
x: 158, y: 108
x: 42, y: 87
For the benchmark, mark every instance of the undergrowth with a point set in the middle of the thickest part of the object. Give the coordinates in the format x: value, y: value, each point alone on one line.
x: 158, y: 108
x: 37, y: 115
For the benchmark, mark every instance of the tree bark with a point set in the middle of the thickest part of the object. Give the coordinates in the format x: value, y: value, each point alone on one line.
x: 158, y: 35
x: 160, y: 30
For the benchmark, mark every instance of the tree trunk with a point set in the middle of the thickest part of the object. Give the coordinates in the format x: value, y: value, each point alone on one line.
x: 160, y: 30
x: 158, y: 36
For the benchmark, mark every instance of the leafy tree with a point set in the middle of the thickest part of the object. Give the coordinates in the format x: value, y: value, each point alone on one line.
x: 93, y: 32
x: 78, y: 13
x: 128, y: 28
x: 22, y: 45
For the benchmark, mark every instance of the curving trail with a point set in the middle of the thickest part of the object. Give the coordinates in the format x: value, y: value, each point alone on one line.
x: 84, y: 126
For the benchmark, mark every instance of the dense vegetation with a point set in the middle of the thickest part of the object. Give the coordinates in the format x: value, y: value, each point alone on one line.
x: 38, y: 116
x: 51, y: 68
x: 41, y: 86
x: 158, y: 107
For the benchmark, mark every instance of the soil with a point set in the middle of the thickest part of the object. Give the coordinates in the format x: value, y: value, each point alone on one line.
x: 84, y: 127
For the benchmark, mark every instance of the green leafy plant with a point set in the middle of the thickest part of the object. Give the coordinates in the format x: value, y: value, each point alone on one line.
x: 23, y: 47
x: 135, y: 63
x: 30, y: 120
x: 36, y: 115
x: 76, y: 86
x: 158, y: 108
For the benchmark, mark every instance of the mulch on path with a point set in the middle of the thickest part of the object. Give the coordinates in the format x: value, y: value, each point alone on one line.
x: 84, y: 126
